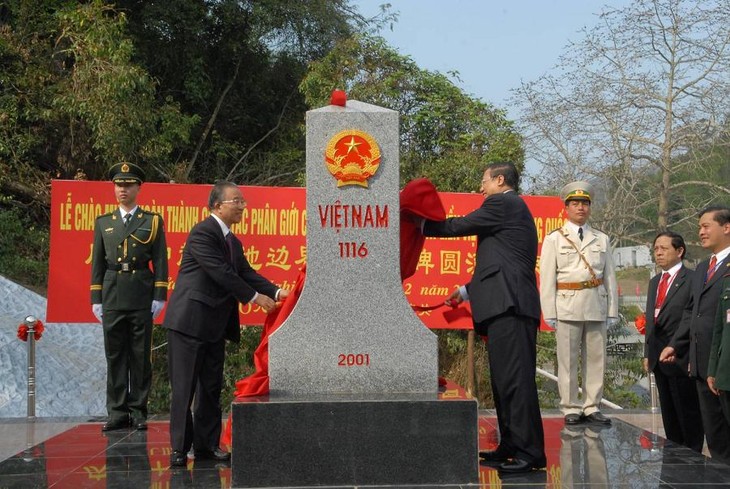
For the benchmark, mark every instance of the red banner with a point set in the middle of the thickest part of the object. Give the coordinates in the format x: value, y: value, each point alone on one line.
x: 273, y: 232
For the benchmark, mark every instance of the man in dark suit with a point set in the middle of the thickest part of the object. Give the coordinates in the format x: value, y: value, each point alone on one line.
x: 214, y: 278
x: 667, y: 298
x: 695, y: 331
x: 128, y: 291
x: 505, y: 307
x: 718, y: 372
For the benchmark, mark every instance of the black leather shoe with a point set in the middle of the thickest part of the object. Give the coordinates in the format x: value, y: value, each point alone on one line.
x: 213, y: 454
x: 178, y: 459
x: 519, y: 466
x: 572, y: 418
x: 139, y: 424
x: 494, y: 456
x: 597, y: 418
x: 116, y: 424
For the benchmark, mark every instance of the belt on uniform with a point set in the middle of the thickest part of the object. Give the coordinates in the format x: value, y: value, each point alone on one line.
x: 127, y: 267
x: 588, y: 284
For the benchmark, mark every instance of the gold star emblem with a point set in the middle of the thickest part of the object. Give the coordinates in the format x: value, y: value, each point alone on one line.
x: 352, y: 145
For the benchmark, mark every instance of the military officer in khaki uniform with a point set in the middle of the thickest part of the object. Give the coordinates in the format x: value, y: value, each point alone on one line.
x: 128, y: 291
x: 579, y: 297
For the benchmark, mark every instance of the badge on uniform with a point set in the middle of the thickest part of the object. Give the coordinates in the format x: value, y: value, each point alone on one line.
x: 727, y: 316
x: 109, y: 230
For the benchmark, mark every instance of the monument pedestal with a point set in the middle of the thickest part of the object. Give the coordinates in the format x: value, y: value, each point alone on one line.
x: 352, y: 440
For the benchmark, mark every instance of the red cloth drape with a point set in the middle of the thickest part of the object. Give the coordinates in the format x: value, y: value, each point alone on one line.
x: 418, y: 198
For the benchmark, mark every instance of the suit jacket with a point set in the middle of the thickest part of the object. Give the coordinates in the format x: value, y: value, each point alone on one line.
x: 136, y: 245
x: 660, y: 332
x: 210, y: 285
x: 504, y: 273
x: 719, y: 366
x: 561, y: 262
x: 695, y: 332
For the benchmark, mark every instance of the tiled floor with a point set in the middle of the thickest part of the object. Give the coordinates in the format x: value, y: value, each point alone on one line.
x: 67, y: 453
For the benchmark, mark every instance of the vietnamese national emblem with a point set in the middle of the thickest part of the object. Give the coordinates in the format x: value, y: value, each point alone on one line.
x: 352, y: 157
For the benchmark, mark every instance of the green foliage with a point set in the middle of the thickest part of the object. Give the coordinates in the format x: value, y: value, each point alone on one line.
x: 547, y: 359
x: 23, y: 249
x: 107, y: 95
x: 238, y: 364
x: 622, y: 371
x: 453, y: 358
x: 445, y: 134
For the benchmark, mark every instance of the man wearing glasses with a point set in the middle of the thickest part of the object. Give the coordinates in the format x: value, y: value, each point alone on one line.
x: 214, y: 278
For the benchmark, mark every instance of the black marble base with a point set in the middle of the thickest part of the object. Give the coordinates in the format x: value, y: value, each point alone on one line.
x: 349, y: 441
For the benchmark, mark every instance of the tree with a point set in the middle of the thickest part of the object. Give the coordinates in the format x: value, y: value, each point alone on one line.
x: 108, y: 96
x: 639, y: 105
x: 239, y: 70
x: 445, y: 134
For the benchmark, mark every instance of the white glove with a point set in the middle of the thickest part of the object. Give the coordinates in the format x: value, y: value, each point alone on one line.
x: 552, y: 322
x: 157, y: 307
x: 611, y: 322
x: 96, y: 309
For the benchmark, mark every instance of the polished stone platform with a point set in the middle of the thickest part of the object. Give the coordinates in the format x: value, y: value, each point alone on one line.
x: 351, y: 439
x: 73, y: 453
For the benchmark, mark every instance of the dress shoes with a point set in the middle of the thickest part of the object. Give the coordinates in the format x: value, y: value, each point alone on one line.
x: 212, y: 454
x: 572, y: 418
x: 519, y: 466
x: 597, y: 418
x: 178, y: 459
x: 139, y: 424
x: 116, y: 424
x: 494, y: 456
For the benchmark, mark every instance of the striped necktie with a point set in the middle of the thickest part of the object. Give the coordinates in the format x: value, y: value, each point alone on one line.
x: 711, y: 268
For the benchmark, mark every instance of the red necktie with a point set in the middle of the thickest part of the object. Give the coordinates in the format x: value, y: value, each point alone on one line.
x: 662, y: 292
x: 711, y: 268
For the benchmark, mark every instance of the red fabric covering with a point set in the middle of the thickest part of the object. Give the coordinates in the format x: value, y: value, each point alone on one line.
x: 257, y: 384
x: 417, y: 199
x: 640, y: 322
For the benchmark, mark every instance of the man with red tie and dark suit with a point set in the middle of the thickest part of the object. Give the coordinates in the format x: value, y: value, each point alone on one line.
x: 667, y: 298
x: 214, y: 278
x: 695, y: 331
x: 505, y: 307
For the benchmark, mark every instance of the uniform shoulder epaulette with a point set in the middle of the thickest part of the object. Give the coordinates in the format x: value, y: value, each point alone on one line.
x: 108, y: 214
x: 554, y: 231
x: 150, y: 213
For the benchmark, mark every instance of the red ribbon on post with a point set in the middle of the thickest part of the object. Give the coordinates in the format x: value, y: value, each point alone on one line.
x: 37, y: 330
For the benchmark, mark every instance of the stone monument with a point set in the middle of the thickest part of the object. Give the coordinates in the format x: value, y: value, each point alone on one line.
x: 353, y: 371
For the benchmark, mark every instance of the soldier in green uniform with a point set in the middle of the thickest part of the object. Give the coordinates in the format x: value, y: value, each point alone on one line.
x: 128, y: 291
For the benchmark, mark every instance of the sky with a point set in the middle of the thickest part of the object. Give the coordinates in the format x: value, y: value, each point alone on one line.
x: 494, y: 45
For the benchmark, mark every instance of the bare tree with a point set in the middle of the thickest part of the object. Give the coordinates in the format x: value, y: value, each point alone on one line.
x: 638, y: 105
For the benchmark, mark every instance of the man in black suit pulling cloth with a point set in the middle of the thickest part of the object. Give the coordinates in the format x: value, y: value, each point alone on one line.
x: 505, y: 307
x: 203, y: 312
